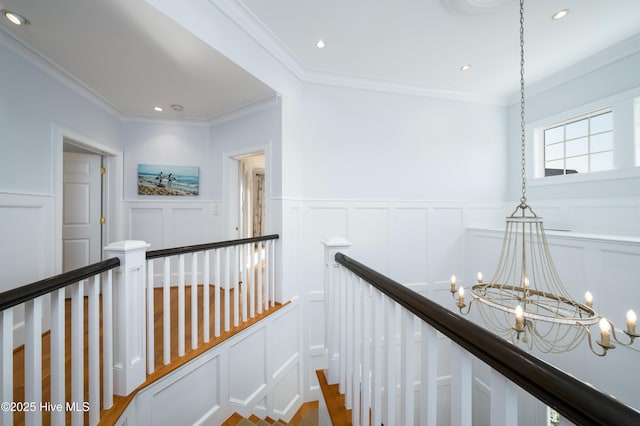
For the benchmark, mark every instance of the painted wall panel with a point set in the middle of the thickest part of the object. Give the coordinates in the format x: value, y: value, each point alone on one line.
x: 408, y: 255
x: 248, y: 363
x: 370, y: 236
x: 26, y: 227
x: 200, y: 399
x: 446, y: 241
x: 147, y: 224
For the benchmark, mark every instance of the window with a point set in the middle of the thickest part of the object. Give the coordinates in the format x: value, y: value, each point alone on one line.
x: 579, y: 145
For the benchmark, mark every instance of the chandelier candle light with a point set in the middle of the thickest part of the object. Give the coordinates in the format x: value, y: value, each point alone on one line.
x: 525, y: 300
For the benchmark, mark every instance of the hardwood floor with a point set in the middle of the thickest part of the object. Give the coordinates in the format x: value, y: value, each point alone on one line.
x: 120, y: 403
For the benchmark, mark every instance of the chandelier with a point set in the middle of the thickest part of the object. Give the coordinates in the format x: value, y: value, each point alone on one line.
x: 525, y: 300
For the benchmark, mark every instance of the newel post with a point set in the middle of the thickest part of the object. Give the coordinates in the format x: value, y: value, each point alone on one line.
x: 332, y: 302
x: 129, y: 327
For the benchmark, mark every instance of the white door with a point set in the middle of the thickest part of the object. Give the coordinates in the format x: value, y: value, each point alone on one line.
x: 82, y: 210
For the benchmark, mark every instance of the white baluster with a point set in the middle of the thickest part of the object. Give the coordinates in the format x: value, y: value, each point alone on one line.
x: 6, y: 340
x: 272, y: 270
x: 407, y: 371
x: 378, y: 357
x: 77, y: 351
x: 341, y: 280
x: 389, y: 413
x: 258, y: 271
x: 429, y: 375
x: 33, y: 358
x: 107, y: 341
x: 266, y: 271
x: 504, y: 400
x: 461, y: 382
x: 227, y: 287
x: 251, y: 280
x: 236, y: 289
x: 94, y: 349
x: 57, y: 336
x: 194, y: 300
x: 166, y: 311
x: 350, y: 289
x: 181, y: 320
x: 150, y: 319
x: 366, y: 353
x: 357, y: 373
x: 216, y: 295
x: 245, y: 283
x: 205, y: 298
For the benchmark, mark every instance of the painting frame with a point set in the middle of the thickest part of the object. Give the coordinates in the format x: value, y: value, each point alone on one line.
x: 168, y: 180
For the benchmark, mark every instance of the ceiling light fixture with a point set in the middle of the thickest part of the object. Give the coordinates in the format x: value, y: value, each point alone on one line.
x: 320, y: 44
x: 465, y: 67
x: 177, y: 108
x: 525, y: 300
x: 157, y: 109
x: 14, y: 17
x: 560, y: 14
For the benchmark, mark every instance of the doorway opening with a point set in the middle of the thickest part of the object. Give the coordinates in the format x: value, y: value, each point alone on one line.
x: 251, y: 195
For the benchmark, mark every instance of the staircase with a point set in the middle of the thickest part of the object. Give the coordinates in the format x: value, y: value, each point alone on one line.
x: 306, y: 416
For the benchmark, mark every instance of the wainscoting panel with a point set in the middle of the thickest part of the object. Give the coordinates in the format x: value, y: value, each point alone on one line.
x: 27, y: 248
x: 408, y: 228
x: 249, y: 368
x: 163, y: 407
x: 409, y: 241
x: 172, y: 223
x: 254, y: 372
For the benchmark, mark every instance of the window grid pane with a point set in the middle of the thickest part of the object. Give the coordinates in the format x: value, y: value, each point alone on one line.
x: 580, y: 145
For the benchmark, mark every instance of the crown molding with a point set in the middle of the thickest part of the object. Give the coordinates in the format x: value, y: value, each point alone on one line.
x: 246, y: 20
x: 610, y: 55
x: 245, y: 110
x: 49, y: 67
x: 398, y: 87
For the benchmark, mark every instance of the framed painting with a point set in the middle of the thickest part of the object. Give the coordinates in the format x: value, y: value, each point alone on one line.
x: 156, y: 179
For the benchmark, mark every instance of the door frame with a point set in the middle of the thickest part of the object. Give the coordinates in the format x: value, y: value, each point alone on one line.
x: 111, y: 188
x: 231, y: 187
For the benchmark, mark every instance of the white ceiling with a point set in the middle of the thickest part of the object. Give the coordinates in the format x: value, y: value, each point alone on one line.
x: 134, y: 57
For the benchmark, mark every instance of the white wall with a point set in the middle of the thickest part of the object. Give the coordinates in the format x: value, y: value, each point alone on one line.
x: 605, y: 202
x: 36, y: 103
x: 370, y: 145
x: 170, y: 221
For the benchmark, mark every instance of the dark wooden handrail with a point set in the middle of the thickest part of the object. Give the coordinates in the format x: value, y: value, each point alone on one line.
x: 154, y: 254
x: 575, y: 400
x: 28, y: 292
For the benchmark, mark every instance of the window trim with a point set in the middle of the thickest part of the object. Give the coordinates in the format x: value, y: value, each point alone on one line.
x: 589, y: 135
x: 535, y: 142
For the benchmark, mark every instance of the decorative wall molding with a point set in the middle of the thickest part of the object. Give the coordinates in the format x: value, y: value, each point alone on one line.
x: 201, y: 388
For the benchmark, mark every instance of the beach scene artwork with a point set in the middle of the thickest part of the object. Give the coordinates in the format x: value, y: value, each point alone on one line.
x: 168, y: 180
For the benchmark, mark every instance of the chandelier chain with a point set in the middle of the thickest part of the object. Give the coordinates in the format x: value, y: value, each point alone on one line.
x: 523, y: 199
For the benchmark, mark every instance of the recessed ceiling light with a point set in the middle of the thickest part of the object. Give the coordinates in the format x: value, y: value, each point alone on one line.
x: 177, y: 108
x: 465, y: 67
x: 157, y: 109
x: 560, y: 14
x: 14, y: 17
x: 320, y: 44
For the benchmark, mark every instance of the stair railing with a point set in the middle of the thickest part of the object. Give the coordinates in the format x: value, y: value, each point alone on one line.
x: 380, y: 382
x: 240, y: 274
x: 22, y: 311
x: 116, y: 299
